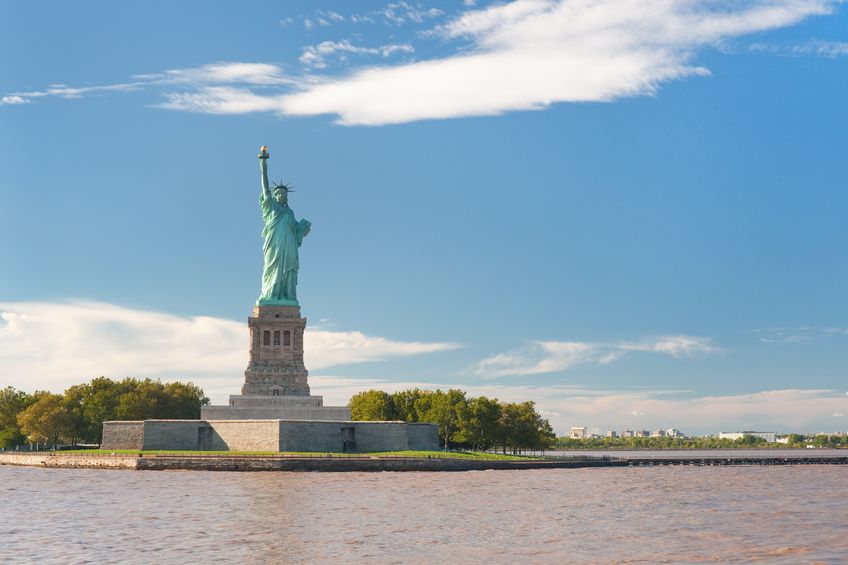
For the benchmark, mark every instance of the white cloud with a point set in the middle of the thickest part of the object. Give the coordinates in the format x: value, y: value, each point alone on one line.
x: 541, y: 357
x: 676, y: 346
x: 46, y: 345
x: 64, y: 91
x: 780, y: 410
x: 14, y: 100
x: 261, y: 74
x: 317, y: 55
x: 799, y: 334
x: 362, y: 18
x: 335, y: 16
x: 219, y: 100
x: 529, y: 54
x: 521, y: 55
x: 814, y: 47
x: 801, y: 410
x: 216, y: 86
x: 329, y: 348
x: 399, y: 13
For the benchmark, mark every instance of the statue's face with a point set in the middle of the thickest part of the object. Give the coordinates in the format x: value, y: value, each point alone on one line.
x: 280, y: 195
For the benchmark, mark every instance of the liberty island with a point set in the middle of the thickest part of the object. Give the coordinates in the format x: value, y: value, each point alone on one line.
x: 275, y: 410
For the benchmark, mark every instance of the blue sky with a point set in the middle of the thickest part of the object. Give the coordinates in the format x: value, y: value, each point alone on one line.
x: 630, y: 212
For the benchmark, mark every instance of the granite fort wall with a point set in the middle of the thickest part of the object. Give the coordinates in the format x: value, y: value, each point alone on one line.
x: 331, y: 436
x: 268, y: 435
x: 172, y: 434
x: 380, y: 436
x: 422, y: 437
x: 123, y: 435
x: 250, y: 435
x: 310, y: 436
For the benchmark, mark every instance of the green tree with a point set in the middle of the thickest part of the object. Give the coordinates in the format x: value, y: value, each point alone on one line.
x: 46, y: 420
x: 371, y: 405
x: 404, y: 404
x: 750, y: 441
x: 795, y: 440
x: 182, y: 401
x: 142, y: 402
x: 480, y: 427
x: 522, y: 427
x: 448, y: 410
x: 104, y: 399
x: 422, y: 405
x: 12, y: 403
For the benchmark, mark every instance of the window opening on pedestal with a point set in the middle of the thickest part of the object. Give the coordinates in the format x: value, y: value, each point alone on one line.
x: 287, y: 338
x: 266, y: 337
x: 275, y: 392
x: 277, y: 337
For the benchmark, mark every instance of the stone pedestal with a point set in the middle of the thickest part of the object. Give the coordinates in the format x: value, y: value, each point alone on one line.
x: 276, y: 353
x: 275, y: 382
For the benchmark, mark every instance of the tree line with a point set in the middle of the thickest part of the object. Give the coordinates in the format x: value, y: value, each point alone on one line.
x: 477, y: 423
x: 794, y: 440
x: 77, y: 415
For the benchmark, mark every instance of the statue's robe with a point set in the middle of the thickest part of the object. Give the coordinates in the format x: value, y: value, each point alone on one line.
x: 282, y: 235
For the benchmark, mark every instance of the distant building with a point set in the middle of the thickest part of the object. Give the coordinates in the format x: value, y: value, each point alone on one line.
x: 770, y: 437
x: 658, y: 433
x: 577, y: 432
x: 627, y: 433
x: 673, y: 432
x: 643, y: 433
x: 612, y: 433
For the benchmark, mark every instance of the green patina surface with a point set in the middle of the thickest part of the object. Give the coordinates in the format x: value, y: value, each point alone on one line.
x: 282, y: 237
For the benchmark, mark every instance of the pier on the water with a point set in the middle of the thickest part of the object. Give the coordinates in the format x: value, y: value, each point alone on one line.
x: 711, y: 461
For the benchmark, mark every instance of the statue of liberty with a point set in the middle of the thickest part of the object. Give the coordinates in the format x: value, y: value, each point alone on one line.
x: 283, y: 235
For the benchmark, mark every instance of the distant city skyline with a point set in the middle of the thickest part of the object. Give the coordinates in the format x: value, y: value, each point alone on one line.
x: 631, y: 213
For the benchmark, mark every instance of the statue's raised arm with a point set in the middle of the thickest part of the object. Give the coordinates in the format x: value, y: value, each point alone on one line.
x: 263, y: 170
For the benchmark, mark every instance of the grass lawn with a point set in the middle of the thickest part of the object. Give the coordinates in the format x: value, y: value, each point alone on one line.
x: 387, y: 454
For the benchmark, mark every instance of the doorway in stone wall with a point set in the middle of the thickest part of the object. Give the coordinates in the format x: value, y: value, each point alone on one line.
x: 348, y: 440
x: 204, y: 438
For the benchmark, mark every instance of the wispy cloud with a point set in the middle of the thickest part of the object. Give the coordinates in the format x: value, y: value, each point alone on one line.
x: 219, y: 100
x: 786, y: 410
x: 14, y: 100
x: 798, y: 334
x: 235, y: 75
x: 320, y: 18
x: 399, y: 13
x: 64, y: 91
x: 529, y: 54
x: 521, y: 55
x: 53, y: 345
x: 541, y: 357
x: 255, y: 74
x: 50, y: 345
x: 813, y: 47
x: 317, y: 55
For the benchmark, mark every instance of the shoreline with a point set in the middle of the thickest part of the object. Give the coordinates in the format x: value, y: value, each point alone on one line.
x: 162, y: 462
x: 365, y: 463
